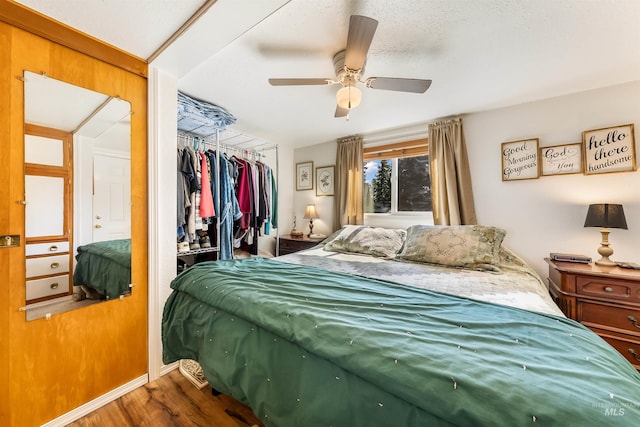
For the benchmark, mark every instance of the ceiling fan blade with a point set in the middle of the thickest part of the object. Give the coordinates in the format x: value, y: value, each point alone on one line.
x: 361, y: 31
x: 398, y: 84
x: 341, y: 112
x: 300, y: 82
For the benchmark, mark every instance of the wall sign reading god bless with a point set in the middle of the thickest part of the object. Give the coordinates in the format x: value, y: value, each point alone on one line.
x: 520, y: 160
x: 609, y: 150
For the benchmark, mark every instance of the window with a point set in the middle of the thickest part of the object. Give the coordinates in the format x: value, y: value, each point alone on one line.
x: 397, y: 178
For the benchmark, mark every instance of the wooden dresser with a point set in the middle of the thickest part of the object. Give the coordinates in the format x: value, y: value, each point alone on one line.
x: 290, y: 244
x: 605, y: 299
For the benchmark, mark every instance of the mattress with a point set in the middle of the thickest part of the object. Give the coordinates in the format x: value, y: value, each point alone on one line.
x: 513, y: 283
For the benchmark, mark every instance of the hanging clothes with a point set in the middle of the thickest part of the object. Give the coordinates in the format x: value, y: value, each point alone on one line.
x: 192, y: 219
x: 229, y: 207
x: 232, y: 199
x: 206, y: 197
x: 187, y: 183
x: 245, y: 192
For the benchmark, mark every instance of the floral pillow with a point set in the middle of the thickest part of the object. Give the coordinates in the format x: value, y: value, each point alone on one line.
x: 362, y: 239
x: 468, y: 246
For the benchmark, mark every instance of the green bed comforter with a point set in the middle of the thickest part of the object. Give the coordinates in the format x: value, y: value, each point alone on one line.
x: 306, y: 347
x: 105, y: 267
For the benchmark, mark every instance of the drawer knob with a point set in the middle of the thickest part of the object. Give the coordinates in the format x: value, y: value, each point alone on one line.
x: 55, y: 264
x: 634, y: 354
x: 54, y: 286
x: 608, y: 289
x: 53, y: 248
x: 634, y: 321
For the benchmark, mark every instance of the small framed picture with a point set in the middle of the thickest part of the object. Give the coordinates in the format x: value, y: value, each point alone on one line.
x: 561, y: 159
x: 520, y: 160
x: 610, y: 149
x: 324, y: 181
x: 304, y: 176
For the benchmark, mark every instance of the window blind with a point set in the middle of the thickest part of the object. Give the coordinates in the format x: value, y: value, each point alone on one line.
x: 417, y: 147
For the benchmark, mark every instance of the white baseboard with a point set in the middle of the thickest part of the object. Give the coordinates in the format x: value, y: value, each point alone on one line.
x: 98, y: 402
x: 165, y: 369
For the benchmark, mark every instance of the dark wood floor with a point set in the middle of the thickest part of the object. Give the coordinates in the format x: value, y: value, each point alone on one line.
x: 171, y: 401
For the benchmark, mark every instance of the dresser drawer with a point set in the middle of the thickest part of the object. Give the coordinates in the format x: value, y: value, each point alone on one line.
x: 46, y: 248
x: 597, y: 314
x: 49, y: 286
x: 288, y: 246
x: 44, y: 266
x: 629, y: 348
x: 605, y: 287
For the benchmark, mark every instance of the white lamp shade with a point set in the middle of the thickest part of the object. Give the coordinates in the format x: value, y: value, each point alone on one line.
x: 349, y: 97
x: 310, y: 212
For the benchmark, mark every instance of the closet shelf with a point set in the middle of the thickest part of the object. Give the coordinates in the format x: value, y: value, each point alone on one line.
x: 199, y: 251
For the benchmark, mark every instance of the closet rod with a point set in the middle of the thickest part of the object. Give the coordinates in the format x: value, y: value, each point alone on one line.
x: 207, y: 141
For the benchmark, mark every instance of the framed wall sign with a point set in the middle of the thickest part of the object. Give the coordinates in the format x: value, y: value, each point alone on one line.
x: 609, y: 150
x: 520, y: 160
x: 561, y: 159
x: 304, y: 176
x: 324, y: 181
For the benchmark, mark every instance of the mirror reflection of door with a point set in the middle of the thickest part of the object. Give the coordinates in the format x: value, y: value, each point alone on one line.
x: 111, y: 196
x: 99, y: 129
x: 47, y: 184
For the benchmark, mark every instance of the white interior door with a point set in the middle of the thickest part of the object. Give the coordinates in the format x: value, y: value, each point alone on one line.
x: 111, y: 198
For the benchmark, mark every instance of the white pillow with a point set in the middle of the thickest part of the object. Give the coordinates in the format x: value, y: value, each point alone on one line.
x: 362, y: 239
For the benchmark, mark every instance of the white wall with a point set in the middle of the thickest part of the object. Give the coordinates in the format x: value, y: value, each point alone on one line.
x: 540, y: 215
x: 547, y: 214
x: 162, y: 170
x: 284, y: 167
x: 321, y: 155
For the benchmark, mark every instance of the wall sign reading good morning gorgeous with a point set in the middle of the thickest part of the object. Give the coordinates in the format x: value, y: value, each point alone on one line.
x: 609, y: 150
x: 520, y: 160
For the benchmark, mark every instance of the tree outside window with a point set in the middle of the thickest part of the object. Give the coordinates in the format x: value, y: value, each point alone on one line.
x: 397, y: 185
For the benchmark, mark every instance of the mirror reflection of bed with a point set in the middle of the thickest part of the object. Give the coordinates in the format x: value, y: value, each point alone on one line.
x: 77, y: 196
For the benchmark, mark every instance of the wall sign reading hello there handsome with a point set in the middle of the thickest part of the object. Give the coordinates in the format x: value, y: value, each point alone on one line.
x: 609, y: 150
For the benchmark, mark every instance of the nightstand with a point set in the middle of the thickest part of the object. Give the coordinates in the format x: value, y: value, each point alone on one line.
x: 605, y: 299
x: 290, y: 244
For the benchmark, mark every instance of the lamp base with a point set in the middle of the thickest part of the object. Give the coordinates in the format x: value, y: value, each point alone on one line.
x: 605, y: 250
x: 606, y: 262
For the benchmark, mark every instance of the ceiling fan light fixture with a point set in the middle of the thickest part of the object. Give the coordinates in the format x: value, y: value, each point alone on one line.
x: 349, y: 97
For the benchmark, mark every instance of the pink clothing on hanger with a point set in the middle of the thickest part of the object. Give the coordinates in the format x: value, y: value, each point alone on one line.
x: 244, y: 194
x: 206, y: 198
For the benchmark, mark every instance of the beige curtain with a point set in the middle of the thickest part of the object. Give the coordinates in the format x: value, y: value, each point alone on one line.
x: 450, y: 176
x: 347, y: 205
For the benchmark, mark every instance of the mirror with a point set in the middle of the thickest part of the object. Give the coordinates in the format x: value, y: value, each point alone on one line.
x: 77, y: 196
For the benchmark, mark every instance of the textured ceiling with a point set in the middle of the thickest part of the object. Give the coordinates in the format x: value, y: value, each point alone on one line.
x: 480, y: 54
x: 136, y: 26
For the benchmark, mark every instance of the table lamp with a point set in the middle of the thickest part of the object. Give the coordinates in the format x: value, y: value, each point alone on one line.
x: 606, y: 216
x: 310, y: 213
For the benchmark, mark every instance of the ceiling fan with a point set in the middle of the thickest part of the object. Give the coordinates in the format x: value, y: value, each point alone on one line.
x: 349, y: 67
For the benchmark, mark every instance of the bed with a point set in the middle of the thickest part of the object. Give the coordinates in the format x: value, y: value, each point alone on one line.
x: 104, y: 268
x: 323, y: 337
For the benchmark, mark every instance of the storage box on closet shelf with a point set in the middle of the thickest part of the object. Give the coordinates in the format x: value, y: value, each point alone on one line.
x: 200, y: 117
